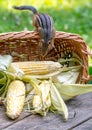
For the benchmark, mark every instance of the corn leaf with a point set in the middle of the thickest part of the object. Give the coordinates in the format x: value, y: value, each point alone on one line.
x: 40, y: 101
x: 58, y: 103
x: 4, y: 81
x: 5, y: 61
x: 69, y: 91
x: 68, y: 76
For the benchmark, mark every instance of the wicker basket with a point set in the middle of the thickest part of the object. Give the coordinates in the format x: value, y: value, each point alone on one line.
x: 23, y: 46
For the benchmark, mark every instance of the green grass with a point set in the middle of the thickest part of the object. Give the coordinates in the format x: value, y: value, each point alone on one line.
x: 68, y: 15
x: 74, y: 16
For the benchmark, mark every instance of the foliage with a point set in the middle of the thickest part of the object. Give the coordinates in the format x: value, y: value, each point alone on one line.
x: 69, y: 15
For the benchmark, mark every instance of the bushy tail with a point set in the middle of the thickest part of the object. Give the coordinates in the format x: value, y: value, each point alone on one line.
x: 26, y: 7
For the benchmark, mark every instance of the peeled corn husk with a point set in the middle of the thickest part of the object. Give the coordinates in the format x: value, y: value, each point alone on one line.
x: 3, y: 82
x: 58, y: 103
x: 46, y: 97
x: 37, y: 103
x: 15, y: 99
x: 5, y: 61
x: 41, y: 97
x: 69, y: 91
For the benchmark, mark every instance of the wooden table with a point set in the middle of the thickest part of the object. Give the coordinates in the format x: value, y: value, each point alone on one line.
x: 82, y: 105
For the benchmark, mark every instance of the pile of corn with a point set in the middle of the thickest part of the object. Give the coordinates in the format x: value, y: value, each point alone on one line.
x: 39, y: 87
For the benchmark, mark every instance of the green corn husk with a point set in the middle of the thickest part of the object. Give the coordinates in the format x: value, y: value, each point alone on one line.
x: 41, y: 96
x: 68, y: 75
x: 58, y: 104
x: 65, y: 82
x: 5, y: 75
x: 69, y: 91
x: 3, y: 83
x: 45, y: 97
x: 5, y: 61
x: 14, y: 72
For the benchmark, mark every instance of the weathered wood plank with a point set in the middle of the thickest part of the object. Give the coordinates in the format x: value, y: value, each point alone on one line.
x: 84, y: 126
x: 82, y: 105
x: 5, y: 121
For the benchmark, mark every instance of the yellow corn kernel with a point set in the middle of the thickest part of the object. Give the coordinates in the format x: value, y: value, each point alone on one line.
x: 37, y: 67
x: 15, y: 99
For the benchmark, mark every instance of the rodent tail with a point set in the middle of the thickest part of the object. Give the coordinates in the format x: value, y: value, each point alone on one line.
x: 26, y: 7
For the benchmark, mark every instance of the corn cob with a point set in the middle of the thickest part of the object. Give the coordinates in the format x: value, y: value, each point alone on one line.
x: 15, y: 99
x: 37, y: 102
x: 37, y: 67
x: 41, y: 99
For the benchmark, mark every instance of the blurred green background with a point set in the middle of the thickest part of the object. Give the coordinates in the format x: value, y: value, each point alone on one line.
x: 74, y: 16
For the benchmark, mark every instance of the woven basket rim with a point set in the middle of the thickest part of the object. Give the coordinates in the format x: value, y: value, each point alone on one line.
x: 24, y: 34
x: 75, y: 39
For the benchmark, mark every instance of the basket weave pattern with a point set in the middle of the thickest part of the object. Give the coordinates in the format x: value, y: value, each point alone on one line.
x: 24, y: 46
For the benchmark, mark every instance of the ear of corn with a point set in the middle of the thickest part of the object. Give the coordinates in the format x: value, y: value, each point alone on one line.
x: 37, y: 67
x: 15, y: 99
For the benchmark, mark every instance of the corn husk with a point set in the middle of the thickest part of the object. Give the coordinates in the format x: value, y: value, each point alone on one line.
x: 41, y: 97
x: 3, y: 82
x: 14, y: 72
x: 46, y: 97
x: 58, y: 104
x: 69, y: 91
x: 5, y: 61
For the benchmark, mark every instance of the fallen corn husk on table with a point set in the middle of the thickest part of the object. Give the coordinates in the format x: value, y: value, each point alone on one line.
x: 48, y: 85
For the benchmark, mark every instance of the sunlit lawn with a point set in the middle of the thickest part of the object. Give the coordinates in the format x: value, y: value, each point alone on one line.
x: 69, y: 16
x: 73, y: 16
